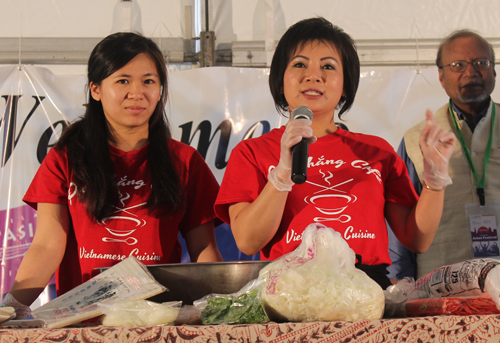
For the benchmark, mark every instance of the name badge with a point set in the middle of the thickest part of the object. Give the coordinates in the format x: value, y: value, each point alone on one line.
x: 483, y: 229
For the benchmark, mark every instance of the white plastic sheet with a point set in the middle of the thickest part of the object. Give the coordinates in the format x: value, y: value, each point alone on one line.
x: 362, y: 19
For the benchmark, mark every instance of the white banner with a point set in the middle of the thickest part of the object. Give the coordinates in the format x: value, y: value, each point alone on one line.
x: 211, y: 109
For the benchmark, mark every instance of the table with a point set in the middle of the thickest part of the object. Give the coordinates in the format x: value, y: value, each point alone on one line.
x: 411, y: 330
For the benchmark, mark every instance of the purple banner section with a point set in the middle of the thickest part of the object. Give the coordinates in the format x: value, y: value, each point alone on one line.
x: 17, y: 228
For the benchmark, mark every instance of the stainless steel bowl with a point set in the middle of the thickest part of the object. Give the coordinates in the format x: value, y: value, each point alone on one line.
x: 192, y: 281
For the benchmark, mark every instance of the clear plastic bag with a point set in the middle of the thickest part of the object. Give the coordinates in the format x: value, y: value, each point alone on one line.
x: 467, y: 278
x: 139, y: 313
x: 470, y: 279
x: 125, y: 281
x: 189, y: 315
x: 318, y: 281
x: 242, y: 307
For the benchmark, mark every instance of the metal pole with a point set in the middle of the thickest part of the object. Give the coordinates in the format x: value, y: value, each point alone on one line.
x: 207, y: 27
x: 207, y: 41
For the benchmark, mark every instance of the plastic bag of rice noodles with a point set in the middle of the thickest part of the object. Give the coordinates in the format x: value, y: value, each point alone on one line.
x: 319, y: 282
x: 139, y: 313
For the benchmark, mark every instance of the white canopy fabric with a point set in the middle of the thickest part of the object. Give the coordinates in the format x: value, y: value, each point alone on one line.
x: 249, y: 20
x: 362, y: 19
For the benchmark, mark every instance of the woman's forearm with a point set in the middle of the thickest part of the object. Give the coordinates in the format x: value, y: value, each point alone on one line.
x: 427, y: 216
x: 34, y: 273
x: 255, y: 224
x: 45, y: 253
x: 416, y: 227
x: 201, y: 243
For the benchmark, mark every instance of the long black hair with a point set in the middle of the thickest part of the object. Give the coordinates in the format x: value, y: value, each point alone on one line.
x: 86, y: 140
x: 310, y: 30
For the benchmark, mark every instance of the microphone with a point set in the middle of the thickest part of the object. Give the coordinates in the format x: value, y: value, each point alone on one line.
x: 300, y: 151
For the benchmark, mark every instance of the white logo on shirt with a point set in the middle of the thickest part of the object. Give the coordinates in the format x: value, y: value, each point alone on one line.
x: 138, y: 183
x: 292, y: 236
x: 339, y: 199
x: 119, y: 235
x: 349, y: 233
x: 369, y: 170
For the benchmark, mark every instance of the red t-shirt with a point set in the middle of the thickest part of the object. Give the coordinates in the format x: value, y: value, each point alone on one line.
x: 130, y: 230
x: 350, y: 177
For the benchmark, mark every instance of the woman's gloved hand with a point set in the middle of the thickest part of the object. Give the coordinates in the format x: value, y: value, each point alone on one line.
x: 22, y: 311
x: 281, y: 175
x: 436, y: 145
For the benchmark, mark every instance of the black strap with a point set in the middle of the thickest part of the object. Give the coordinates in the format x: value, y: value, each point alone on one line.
x: 377, y: 273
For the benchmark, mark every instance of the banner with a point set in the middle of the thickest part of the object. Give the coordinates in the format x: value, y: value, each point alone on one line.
x: 211, y: 109
x: 37, y: 107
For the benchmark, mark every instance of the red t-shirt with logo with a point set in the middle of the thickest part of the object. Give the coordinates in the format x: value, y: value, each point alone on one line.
x: 130, y: 229
x: 350, y: 177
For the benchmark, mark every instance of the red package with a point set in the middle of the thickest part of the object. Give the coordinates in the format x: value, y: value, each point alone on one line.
x: 451, y: 306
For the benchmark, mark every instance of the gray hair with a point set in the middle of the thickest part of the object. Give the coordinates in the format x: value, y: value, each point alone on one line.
x: 463, y: 33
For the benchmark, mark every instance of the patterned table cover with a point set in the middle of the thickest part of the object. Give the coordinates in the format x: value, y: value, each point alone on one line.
x: 411, y: 330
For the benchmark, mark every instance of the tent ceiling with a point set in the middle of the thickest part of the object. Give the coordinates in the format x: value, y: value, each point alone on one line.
x: 42, y: 50
x: 379, y: 52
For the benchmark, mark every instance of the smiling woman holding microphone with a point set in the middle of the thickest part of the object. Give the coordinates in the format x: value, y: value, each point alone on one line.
x: 354, y: 181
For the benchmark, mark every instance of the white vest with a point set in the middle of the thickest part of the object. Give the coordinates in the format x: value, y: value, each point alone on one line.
x: 452, y: 241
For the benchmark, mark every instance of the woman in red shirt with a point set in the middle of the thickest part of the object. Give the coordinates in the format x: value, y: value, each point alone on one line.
x: 355, y: 182
x: 116, y: 184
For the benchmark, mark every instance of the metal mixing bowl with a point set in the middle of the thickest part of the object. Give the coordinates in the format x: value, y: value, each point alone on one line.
x: 192, y: 281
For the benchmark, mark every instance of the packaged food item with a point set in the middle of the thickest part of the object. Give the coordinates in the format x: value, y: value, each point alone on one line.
x: 23, y: 324
x: 318, y: 281
x: 127, y: 280
x: 467, y: 278
x: 139, y: 313
x: 450, y: 306
x: 473, y: 284
x: 243, y: 307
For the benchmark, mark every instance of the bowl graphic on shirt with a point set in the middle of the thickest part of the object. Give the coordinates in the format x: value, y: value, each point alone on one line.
x: 320, y: 201
x: 323, y: 203
x: 123, y: 230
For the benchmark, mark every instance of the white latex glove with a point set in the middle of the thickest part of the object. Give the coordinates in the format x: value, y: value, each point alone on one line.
x: 22, y: 311
x: 436, y: 145
x: 281, y: 176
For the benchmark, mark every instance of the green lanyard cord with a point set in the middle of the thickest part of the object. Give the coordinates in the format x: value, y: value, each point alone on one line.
x: 480, y: 183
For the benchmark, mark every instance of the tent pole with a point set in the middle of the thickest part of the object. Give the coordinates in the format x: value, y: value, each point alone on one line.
x: 207, y: 26
x: 207, y: 42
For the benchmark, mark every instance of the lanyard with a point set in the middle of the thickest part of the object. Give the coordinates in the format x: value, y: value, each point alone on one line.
x: 480, y: 183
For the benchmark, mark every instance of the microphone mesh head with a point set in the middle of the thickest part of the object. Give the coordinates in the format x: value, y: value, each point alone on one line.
x: 302, y: 112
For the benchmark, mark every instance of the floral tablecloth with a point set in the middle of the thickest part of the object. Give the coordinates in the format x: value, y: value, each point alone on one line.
x: 418, y: 330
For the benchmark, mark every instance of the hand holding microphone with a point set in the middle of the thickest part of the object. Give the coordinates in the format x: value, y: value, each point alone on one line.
x: 300, y: 151
x: 292, y: 166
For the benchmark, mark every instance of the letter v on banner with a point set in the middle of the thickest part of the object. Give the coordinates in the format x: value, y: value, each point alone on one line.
x: 9, y: 120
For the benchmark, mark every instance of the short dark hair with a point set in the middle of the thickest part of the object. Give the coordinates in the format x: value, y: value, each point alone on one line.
x: 463, y: 33
x: 309, y: 30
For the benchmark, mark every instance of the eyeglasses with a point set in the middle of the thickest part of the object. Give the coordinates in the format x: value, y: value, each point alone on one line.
x: 461, y: 66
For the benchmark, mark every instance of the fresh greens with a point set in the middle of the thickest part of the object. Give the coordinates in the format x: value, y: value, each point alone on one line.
x: 245, y: 308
